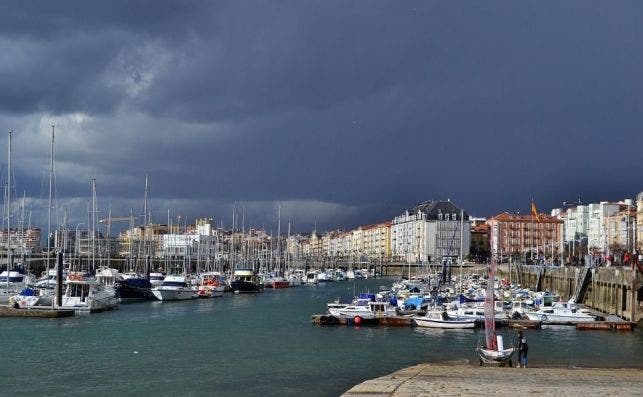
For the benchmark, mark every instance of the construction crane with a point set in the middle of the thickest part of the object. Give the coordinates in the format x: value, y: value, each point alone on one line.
x: 115, y: 219
x: 119, y: 219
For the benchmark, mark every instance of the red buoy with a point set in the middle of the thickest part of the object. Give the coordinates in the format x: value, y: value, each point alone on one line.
x: 357, y: 320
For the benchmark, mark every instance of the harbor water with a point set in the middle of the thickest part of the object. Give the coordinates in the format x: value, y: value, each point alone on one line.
x: 262, y: 344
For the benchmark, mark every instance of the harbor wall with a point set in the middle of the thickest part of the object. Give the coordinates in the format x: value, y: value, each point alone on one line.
x: 612, y: 290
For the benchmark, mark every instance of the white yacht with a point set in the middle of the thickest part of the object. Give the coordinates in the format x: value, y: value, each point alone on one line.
x: 174, y: 288
x: 477, y: 312
x: 560, y: 313
x: 311, y: 277
x: 156, y: 279
x: 325, y: 276
x: 88, y: 296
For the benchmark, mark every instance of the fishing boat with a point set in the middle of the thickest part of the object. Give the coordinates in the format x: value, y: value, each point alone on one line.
x: 174, y: 288
x: 440, y: 319
x: 246, y: 281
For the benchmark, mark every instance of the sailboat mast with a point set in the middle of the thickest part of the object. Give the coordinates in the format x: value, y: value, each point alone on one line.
x: 461, y: 245
x: 93, y: 223
x: 145, y: 221
x: 51, y: 172
x: 9, y: 208
x: 279, y: 240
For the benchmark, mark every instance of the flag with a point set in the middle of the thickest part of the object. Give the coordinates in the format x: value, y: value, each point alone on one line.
x: 534, y: 210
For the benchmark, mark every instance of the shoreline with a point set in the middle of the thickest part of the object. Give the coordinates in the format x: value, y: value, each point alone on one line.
x: 428, y: 379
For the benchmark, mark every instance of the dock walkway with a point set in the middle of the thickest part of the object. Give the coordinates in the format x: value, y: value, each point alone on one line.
x: 466, y: 380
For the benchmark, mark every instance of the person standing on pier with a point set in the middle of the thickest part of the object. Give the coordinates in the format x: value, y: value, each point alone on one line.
x: 518, y: 346
x: 525, y: 349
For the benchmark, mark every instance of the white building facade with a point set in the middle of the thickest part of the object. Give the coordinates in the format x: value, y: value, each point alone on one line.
x: 597, y: 237
x: 430, y: 232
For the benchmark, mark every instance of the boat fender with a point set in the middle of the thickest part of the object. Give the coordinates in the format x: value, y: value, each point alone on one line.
x: 357, y: 320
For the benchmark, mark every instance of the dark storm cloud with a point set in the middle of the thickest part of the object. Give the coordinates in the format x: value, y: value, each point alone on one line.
x: 352, y: 108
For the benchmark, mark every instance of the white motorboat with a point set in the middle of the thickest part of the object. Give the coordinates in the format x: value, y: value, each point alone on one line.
x: 156, y: 279
x: 174, y: 288
x: 311, y: 277
x: 339, y: 275
x: 440, y: 319
x: 211, y: 286
x: 358, y: 305
x: 86, y: 295
x: 477, y: 312
x: 324, y: 277
x: 560, y: 313
x: 296, y: 278
x: 365, y: 309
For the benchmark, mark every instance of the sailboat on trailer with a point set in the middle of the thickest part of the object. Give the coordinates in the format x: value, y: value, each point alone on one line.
x: 493, y: 351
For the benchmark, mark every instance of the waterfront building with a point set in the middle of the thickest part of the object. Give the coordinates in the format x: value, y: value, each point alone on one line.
x: 295, y: 246
x: 357, y: 244
x: 330, y: 246
x: 516, y: 234
x: 377, y: 241
x: 479, y: 250
x: 430, y: 232
x: 315, y: 246
x: 639, y: 223
x: 96, y: 245
x: 620, y: 229
x: 597, y: 227
x: 576, y: 221
x: 23, y: 240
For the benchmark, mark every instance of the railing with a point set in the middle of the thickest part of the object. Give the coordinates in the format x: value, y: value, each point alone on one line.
x: 582, y: 284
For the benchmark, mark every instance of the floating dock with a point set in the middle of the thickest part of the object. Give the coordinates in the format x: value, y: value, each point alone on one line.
x: 396, y: 321
x: 606, y: 326
x: 9, y: 311
x: 407, y: 321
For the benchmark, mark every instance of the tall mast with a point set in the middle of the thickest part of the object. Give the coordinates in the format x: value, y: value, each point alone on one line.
x: 51, y: 173
x: 109, y: 231
x: 145, y: 220
x: 93, y: 223
x: 279, y: 239
x: 9, y: 208
x: 462, y: 245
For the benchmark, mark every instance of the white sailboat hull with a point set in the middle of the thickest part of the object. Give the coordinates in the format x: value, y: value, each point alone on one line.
x: 446, y: 324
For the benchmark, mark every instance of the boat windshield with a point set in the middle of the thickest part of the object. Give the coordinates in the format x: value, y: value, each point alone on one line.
x: 78, y: 290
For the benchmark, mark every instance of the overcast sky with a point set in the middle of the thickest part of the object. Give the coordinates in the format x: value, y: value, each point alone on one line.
x: 343, y: 112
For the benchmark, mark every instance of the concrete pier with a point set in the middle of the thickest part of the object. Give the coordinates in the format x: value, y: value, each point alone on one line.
x: 8, y: 311
x: 611, y: 290
x: 464, y: 380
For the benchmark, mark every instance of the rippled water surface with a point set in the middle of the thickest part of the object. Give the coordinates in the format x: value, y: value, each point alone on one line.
x: 259, y: 344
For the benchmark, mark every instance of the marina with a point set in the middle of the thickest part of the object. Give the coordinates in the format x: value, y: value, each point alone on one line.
x: 268, y: 335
